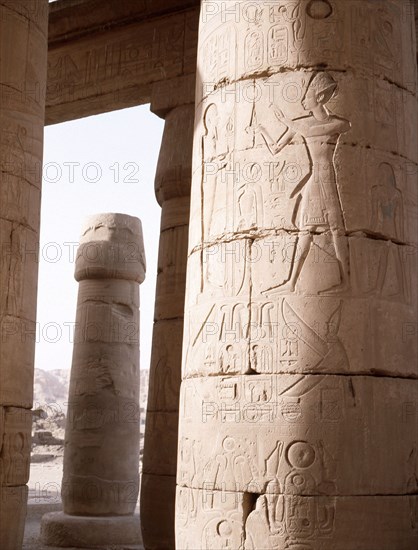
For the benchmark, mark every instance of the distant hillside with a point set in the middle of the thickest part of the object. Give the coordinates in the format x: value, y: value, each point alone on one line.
x: 51, y: 395
x: 51, y: 389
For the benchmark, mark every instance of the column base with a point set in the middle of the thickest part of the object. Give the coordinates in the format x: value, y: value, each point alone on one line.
x: 63, y: 530
x: 12, y: 516
x: 158, y: 497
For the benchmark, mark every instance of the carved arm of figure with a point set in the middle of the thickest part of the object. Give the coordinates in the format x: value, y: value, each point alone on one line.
x: 276, y: 146
x: 284, y: 119
x: 283, y: 141
x: 332, y: 126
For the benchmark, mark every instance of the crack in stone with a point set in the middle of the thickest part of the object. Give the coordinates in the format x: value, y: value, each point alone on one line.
x: 20, y: 224
x: 284, y: 69
x: 10, y: 87
x: 177, y: 318
x: 20, y: 177
x: 361, y: 233
x: 161, y: 475
x: 393, y: 83
x: 256, y: 235
x: 308, y: 495
x: 266, y: 73
x: 374, y: 373
x: 341, y: 145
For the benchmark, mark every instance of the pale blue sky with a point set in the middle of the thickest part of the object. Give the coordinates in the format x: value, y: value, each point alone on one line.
x: 120, y: 151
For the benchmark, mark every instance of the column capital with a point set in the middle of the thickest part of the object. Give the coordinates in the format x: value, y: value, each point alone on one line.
x: 111, y: 247
x: 169, y: 94
x: 174, y: 169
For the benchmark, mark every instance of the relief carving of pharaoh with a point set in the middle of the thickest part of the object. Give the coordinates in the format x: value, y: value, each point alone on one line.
x: 318, y: 206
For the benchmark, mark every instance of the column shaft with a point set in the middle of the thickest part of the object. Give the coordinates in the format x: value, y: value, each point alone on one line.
x: 101, y: 455
x: 23, y: 63
x: 172, y: 185
x: 297, y: 413
x: 103, y: 409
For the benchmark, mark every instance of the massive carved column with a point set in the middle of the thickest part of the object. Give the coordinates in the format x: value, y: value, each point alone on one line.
x: 23, y: 52
x: 298, y: 420
x: 101, y: 458
x: 174, y: 101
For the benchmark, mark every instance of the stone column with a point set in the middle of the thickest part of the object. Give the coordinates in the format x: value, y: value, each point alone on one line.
x: 415, y: 8
x: 23, y: 61
x: 298, y: 418
x: 101, y: 458
x: 174, y: 101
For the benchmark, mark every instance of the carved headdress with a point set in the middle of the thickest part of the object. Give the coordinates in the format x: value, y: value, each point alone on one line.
x: 323, y: 83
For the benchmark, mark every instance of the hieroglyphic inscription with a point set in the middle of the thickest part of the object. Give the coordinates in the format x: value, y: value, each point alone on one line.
x: 315, y: 185
x: 318, y: 207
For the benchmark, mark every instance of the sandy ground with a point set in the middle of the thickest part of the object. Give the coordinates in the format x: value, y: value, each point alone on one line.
x: 45, y: 482
x: 44, y: 496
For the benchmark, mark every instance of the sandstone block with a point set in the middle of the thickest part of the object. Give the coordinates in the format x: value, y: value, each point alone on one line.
x: 165, y: 369
x: 311, y: 435
x: 15, y: 445
x: 13, y: 514
x: 243, y: 40
x: 303, y: 523
x: 62, y: 530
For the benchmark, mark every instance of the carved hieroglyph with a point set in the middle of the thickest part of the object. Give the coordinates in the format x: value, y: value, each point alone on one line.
x: 138, y: 46
x: 103, y: 411
x: 300, y: 345
x: 23, y: 64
